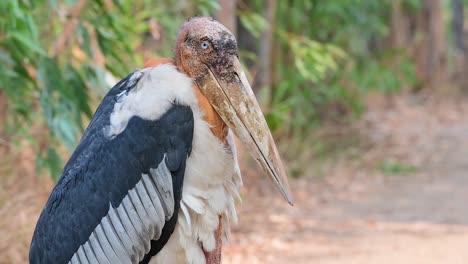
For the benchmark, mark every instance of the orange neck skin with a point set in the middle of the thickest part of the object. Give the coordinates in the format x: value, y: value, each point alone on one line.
x: 220, y: 130
x: 218, y: 127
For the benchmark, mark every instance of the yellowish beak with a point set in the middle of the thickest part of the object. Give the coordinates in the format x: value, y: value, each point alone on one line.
x: 232, y: 97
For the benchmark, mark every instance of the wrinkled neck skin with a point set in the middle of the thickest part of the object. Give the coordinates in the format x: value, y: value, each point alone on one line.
x: 186, y: 65
x: 218, y: 127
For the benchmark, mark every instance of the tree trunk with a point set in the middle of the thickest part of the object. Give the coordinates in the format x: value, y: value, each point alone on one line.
x: 461, y: 56
x: 398, y: 25
x: 265, y: 74
x: 249, y: 44
x: 429, y: 49
x: 227, y: 14
x: 435, y: 54
x: 4, y: 142
x: 457, y: 24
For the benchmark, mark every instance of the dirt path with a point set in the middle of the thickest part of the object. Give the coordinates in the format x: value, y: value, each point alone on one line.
x: 359, y: 215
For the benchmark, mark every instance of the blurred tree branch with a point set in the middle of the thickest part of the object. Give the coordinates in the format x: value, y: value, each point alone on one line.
x: 226, y: 14
x: 265, y: 53
x: 458, y: 23
x: 69, y: 27
x: 435, y: 57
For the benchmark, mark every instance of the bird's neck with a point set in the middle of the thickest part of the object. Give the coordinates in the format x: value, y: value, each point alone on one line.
x: 218, y: 127
x: 220, y: 130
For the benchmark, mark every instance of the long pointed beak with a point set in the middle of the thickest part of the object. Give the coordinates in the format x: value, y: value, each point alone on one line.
x: 231, y: 96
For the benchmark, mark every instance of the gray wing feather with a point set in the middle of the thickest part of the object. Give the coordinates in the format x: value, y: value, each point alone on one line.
x: 123, y: 253
x: 75, y: 260
x: 126, y: 231
x: 98, y: 250
x: 147, y: 206
x: 144, y: 217
x: 130, y: 230
x: 157, y: 208
x: 107, y: 248
x: 90, y: 254
x: 82, y: 256
x: 163, y: 183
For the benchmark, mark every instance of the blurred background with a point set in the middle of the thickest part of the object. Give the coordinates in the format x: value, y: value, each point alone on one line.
x: 366, y: 99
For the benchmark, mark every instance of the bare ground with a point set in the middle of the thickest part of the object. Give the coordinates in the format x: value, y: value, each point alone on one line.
x: 347, y: 211
x: 359, y: 214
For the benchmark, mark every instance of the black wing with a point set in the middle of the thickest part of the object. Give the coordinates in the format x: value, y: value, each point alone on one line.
x: 117, y: 199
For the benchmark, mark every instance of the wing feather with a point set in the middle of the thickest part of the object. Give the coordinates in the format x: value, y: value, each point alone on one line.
x: 118, y: 197
x: 158, y: 209
x: 147, y: 206
x: 123, y: 253
x: 163, y: 183
x: 129, y: 226
x: 124, y: 235
x: 75, y: 260
x: 108, y: 249
x: 99, y: 251
x: 89, y: 252
x: 146, y: 222
x: 82, y: 258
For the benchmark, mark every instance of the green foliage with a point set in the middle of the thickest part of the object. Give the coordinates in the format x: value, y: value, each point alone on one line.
x: 59, y: 82
x: 395, y: 168
x: 326, y: 59
x: 253, y: 22
x: 54, y: 84
x: 412, y: 5
x: 205, y: 7
x: 327, y: 56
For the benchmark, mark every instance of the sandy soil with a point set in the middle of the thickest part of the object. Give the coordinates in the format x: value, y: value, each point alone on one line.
x: 357, y: 214
x: 349, y: 212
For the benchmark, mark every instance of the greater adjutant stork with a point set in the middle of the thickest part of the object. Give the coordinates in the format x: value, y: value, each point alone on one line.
x: 155, y: 174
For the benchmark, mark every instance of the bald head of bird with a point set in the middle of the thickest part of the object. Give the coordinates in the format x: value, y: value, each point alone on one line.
x: 207, y: 52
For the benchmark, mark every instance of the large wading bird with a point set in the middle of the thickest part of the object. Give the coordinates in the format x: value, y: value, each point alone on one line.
x: 155, y: 175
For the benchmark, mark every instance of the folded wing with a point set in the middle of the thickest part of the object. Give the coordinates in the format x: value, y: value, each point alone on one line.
x: 118, y: 197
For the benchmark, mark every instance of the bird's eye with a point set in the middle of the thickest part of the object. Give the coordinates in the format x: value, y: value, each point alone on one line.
x: 205, y: 45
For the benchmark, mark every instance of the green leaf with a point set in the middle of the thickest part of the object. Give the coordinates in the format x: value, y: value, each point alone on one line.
x: 253, y: 22
x: 392, y: 167
x: 66, y: 130
x: 27, y: 42
x: 54, y: 163
x: 86, y: 43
